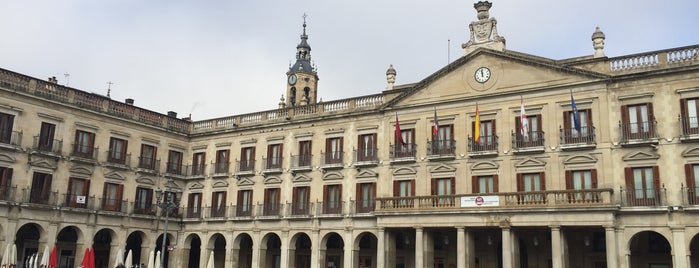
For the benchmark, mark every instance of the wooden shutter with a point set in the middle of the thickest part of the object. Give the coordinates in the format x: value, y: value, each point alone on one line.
x: 651, y: 117
x: 518, y: 126
x: 412, y: 187
x: 396, y: 188
x: 566, y: 120
x: 542, y: 176
x: 358, y: 192
x: 569, y: 179
x: 628, y: 175
x: 474, y: 185
x: 453, y: 185
x: 539, y: 124
x: 434, y: 186
x: 624, y: 116
x: 689, y: 175
x: 341, y: 141
x: 656, y: 178
x: 495, y: 179
x: 325, y: 194
x: 240, y: 199
x: 589, y: 120
x: 473, y: 129
x: 593, y: 174
x: 520, y: 183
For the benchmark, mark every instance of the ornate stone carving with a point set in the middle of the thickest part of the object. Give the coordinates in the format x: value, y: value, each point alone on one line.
x: 484, y: 31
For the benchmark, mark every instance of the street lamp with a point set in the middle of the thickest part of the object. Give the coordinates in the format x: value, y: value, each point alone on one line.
x: 167, y: 206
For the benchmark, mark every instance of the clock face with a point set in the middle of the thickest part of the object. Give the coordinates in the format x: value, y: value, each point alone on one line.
x: 482, y: 74
x: 292, y: 79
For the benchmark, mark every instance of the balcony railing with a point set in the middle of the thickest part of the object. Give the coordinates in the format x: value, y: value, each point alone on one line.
x: 273, y: 164
x: 148, y: 164
x: 571, y: 136
x: 543, y: 199
x: 690, y: 196
x: 215, y: 212
x: 331, y: 207
x: 245, y: 167
x: 331, y: 159
x: 689, y: 127
x: 364, y: 206
x: 441, y: 148
x: 534, y: 139
x: 220, y: 168
x: 488, y: 145
x: 301, y: 162
x: 643, y: 197
x: 13, y: 138
x: 243, y: 210
x: 193, y: 213
x: 85, y: 151
x: 403, y: 152
x: 113, y: 205
x: 364, y: 157
x: 77, y: 201
x: 8, y: 192
x: 638, y: 132
x: 176, y: 168
x: 144, y: 209
x: 49, y: 146
x: 299, y: 209
x: 118, y: 158
x: 271, y: 210
x: 198, y: 170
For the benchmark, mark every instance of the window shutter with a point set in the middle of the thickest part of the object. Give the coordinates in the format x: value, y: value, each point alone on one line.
x: 624, y: 115
x: 327, y: 146
x: 538, y: 125
x: 474, y: 185
x: 266, y: 197
x: 453, y: 185
x: 396, y: 188
x: 656, y: 178
x: 518, y: 126
x: 434, y: 186
x: 566, y: 120
x: 542, y: 175
x: 252, y: 154
x: 651, y: 116
x: 358, y: 192
x: 589, y: 119
x: 308, y: 194
x: 569, y: 180
x: 240, y: 198
x: 594, y: 178
x: 473, y: 129
x: 341, y: 144
x: 325, y: 194
x: 495, y: 180
x: 520, y: 183
x: 339, y: 193
x: 412, y: 187
x: 628, y: 175
x: 689, y: 175
x: 77, y: 137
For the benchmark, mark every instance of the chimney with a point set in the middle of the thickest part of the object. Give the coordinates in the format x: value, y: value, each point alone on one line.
x: 172, y: 114
x: 129, y: 101
x: 53, y: 79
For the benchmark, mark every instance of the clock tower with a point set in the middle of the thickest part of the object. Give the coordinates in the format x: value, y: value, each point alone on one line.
x: 302, y: 77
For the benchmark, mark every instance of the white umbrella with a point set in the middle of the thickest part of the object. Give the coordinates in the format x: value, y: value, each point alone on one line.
x: 156, y: 263
x: 13, y: 255
x: 6, y: 256
x: 35, y: 261
x: 45, y: 257
x: 119, y: 258
x: 129, y: 259
x: 210, y: 264
x: 150, y: 260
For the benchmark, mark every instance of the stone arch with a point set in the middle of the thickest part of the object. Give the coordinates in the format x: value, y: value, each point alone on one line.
x: 102, y: 242
x: 270, y: 244
x: 242, y: 250
x: 28, y: 237
x: 693, y: 251
x: 648, y: 246
x: 135, y: 242
x: 192, y: 249
x: 364, y: 249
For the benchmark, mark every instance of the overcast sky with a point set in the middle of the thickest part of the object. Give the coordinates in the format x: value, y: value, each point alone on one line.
x: 220, y: 58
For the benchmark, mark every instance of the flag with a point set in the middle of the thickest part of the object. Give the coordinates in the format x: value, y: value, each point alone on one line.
x: 477, y: 127
x: 435, y: 127
x: 576, y: 116
x: 399, y: 137
x: 523, y: 122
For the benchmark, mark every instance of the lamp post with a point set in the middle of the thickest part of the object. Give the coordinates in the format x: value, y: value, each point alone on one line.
x: 166, y: 204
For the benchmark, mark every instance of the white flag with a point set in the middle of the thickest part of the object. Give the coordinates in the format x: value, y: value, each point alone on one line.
x: 524, y: 123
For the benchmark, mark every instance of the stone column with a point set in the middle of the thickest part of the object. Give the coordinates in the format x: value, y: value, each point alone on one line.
x: 419, y: 248
x: 556, y: 246
x: 679, y: 251
x: 284, y: 262
x: 315, y: 249
x: 256, y: 248
x: 507, y: 248
x: 381, y: 248
x: 231, y: 260
x: 610, y: 244
x: 348, y: 259
x: 204, y: 255
x: 460, y: 247
x: 470, y: 249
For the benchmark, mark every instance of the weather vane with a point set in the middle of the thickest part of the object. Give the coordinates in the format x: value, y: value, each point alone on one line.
x: 109, y: 88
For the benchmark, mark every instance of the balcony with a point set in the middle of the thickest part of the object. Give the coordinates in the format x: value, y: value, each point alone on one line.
x: 441, y: 150
x: 270, y: 210
x: 331, y: 160
x: 11, y: 140
x: 113, y: 205
x: 331, y: 208
x: 635, y: 134
x: 245, y: 167
x: 486, y: 147
x: 298, y: 210
x: 403, y: 153
x: 8, y: 192
x: 77, y: 201
x: 197, y: 171
x: 572, y: 139
x: 690, y: 196
x: 366, y: 157
x: 644, y: 197
x: 193, y: 213
x: 220, y: 169
x: 148, y: 165
x: 176, y: 170
x: 84, y: 153
x: 532, y: 143
x: 118, y: 160
x: 301, y: 163
x: 364, y: 206
x: 273, y: 165
x: 215, y: 212
x: 538, y: 199
x: 144, y: 209
x: 689, y: 127
x: 49, y: 147
x: 243, y: 211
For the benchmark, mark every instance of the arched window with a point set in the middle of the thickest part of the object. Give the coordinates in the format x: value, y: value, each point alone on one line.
x: 292, y: 97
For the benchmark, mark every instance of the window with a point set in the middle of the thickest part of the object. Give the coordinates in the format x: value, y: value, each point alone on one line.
x: 174, y: 162
x: 485, y: 184
x: 443, y: 186
x: 111, y: 197
x: 41, y: 188
x: 143, y: 201
x: 572, y: 135
x: 444, y: 143
x: 487, y: 132
x: 405, y: 190
x: 222, y: 161
x: 333, y: 150
x: 407, y: 149
x: 84, y: 144
x: 46, y: 137
x: 78, y: 190
x: 274, y: 156
x: 304, y: 154
x: 147, y: 159
x: 194, y: 205
x: 690, y: 114
x: 247, y: 159
x: 367, y: 147
x: 198, y: 160
x: 332, y: 199
x: 642, y: 184
x: 531, y: 182
x: 117, y: 151
x: 300, y: 200
x: 366, y: 194
x: 581, y: 180
x: 534, y: 136
x: 5, y: 182
x: 637, y: 121
x: 244, y: 203
x: 6, y: 121
x: 271, y: 202
x: 218, y: 204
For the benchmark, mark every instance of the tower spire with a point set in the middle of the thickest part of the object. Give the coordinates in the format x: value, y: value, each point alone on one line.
x: 302, y: 75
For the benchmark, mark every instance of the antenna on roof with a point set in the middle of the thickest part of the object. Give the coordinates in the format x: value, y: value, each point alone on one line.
x: 109, y: 88
x: 67, y: 76
x: 448, y: 51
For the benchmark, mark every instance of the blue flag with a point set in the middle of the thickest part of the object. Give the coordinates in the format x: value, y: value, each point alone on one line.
x: 576, y: 116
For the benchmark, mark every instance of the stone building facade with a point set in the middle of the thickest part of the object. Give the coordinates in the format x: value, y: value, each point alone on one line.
x: 499, y: 159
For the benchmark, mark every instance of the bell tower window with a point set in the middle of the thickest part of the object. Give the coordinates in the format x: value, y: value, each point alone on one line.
x: 292, y: 96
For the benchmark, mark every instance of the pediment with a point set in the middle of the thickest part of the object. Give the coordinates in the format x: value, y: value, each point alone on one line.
x: 301, y: 178
x: 43, y: 163
x: 442, y: 168
x: 115, y: 176
x: 145, y: 180
x: 485, y: 165
x: 640, y: 155
x: 511, y: 72
x: 244, y: 181
x: 691, y: 152
x: 7, y: 158
x: 220, y: 184
x: 196, y: 186
x: 366, y: 173
x: 579, y: 159
x: 272, y: 180
x: 332, y: 176
x: 82, y: 170
x: 530, y: 162
x: 404, y: 171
